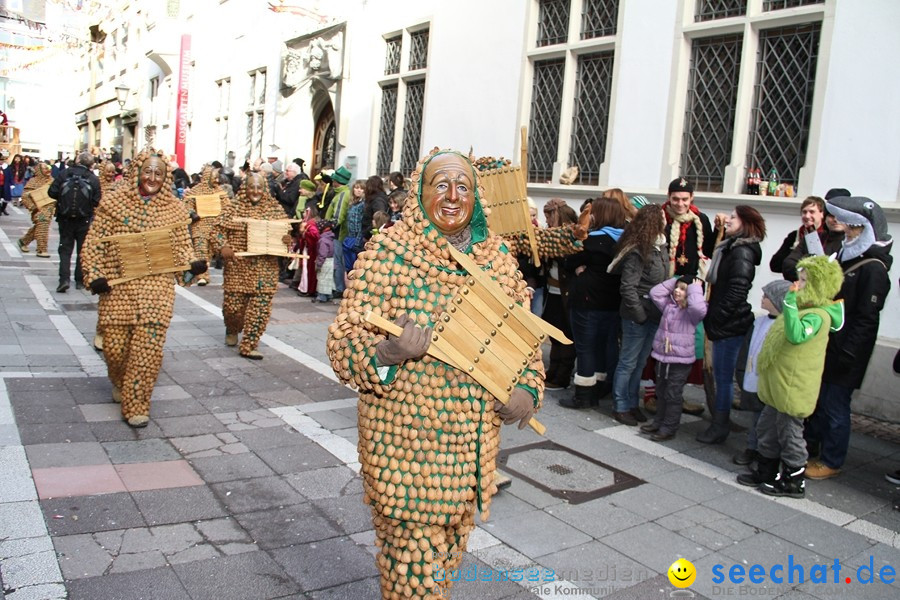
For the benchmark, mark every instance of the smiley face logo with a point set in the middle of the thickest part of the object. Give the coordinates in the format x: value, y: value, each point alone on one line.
x: 682, y: 573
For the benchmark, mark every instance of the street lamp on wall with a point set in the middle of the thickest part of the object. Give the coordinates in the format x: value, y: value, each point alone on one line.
x: 122, y: 95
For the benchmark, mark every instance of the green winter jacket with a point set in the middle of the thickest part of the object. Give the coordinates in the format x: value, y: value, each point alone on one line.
x: 792, y: 358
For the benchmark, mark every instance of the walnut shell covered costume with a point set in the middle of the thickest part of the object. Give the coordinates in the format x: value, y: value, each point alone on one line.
x: 249, y: 282
x: 135, y: 315
x: 428, y: 433
x: 202, y: 230
x: 40, y: 217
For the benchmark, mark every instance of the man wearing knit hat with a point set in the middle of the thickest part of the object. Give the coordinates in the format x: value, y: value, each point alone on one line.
x: 865, y: 258
x: 337, y: 214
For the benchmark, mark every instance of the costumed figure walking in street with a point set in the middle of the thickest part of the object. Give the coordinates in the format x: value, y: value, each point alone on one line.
x: 250, y: 281
x: 135, y: 314
x: 428, y: 431
x: 202, y: 224
x: 41, y: 216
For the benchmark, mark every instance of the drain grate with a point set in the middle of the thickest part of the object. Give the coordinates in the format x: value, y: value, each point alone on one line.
x: 565, y: 473
x: 560, y: 469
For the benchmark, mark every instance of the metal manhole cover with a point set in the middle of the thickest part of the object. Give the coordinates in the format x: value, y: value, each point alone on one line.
x: 565, y: 473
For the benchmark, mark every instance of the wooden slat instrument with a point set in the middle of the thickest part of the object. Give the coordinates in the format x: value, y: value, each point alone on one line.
x: 208, y: 205
x: 150, y: 252
x: 485, y: 334
x: 266, y: 237
x: 40, y: 198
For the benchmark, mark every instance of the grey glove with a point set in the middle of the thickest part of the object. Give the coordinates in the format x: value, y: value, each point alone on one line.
x: 519, y: 408
x: 412, y: 343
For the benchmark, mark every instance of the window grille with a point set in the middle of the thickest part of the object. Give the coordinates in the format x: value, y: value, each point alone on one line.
x: 386, y: 133
x: 249, y: 137
x: 252, y: 99
x: 783, y: 97
x: 261, y: 87
x: 708, y: 10
x: 392, y: 55
x: 546, y: 103
x: 782, y: 4
x: 259, y: 132
x: 589, y: 122
x: 598, y: 18
x: 418, y: 50
x: 412, y: 126
x: 553, y: 22
x: 709, y: 115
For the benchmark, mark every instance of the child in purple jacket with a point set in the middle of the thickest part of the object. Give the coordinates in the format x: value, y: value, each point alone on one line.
x: 682, y: 305
x: 324, y: 261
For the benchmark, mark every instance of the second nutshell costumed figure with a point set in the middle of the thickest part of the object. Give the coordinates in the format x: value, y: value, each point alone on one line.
x: 250, y: 281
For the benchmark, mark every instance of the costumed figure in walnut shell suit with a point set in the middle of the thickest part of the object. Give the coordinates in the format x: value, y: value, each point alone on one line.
x: 428, y: 433
x: 134, y: 315
x: 250, y: 281
x: 40, y: 217
x: 201, y: 227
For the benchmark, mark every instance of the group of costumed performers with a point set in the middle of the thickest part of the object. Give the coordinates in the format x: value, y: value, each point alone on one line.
x: 134, y: 315
x: 201, y: 226
x: 40, y: 216
x: 250, y: 282
x: 428, y: 432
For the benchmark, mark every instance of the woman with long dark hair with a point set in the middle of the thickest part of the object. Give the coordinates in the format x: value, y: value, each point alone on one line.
x: 375, y: 200
x: 641, y: 261
x: 730, y: 316
x: 593, y: 299
x: 13, y: 182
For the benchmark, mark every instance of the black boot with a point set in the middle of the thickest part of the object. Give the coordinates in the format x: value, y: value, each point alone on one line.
x: 583, y: 397
x: 766, y: 472
x: 602, y: 390
x: 718, y: 431
x: 790, y: 482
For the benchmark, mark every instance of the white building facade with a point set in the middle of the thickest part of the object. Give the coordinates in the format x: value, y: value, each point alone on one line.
x: 633, y: 92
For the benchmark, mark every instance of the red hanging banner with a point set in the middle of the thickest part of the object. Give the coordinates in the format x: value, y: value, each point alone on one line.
x: 181, y: 111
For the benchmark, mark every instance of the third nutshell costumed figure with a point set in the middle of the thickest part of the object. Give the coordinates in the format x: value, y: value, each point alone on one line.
x: 428, y: 432
x: 40, y: 217
x: 250, y: 281
x: 107, y: 183
x: 201, y: 227
x: 135, y: 315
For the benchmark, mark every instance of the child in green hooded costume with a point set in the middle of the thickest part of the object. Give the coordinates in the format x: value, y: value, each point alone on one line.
x: 790, y: 369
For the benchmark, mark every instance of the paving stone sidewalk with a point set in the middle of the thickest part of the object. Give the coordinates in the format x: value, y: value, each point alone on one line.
x: 245, y: 483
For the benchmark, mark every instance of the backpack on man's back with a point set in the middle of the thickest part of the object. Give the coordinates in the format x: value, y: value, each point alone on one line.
x: 75, y: 196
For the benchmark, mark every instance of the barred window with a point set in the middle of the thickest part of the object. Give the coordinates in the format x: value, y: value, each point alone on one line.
x: 418, y: 50
x: 708, y: 10
x: 223, y: 89
x: 386, y: 132
x: 402, y: 101
x: 546, y: 105
x: 710, y: 110
x: 782, y: 4
x: 589, y: 123
x: 598, y: 18
x: 392, y: 55
x: 783, y: 98
x: 412, y: 126
x: 553, y: 22
x: 255, y: 114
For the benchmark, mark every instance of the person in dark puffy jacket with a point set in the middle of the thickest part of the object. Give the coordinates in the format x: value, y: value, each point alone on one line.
x: 730, y: 316
x: 641, y: 261
x: 866, y: 260
x: 593, y: 299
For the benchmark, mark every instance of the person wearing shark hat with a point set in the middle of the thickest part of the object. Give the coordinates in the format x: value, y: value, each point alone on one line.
x: 865, y: 259
x: 429, y: 433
